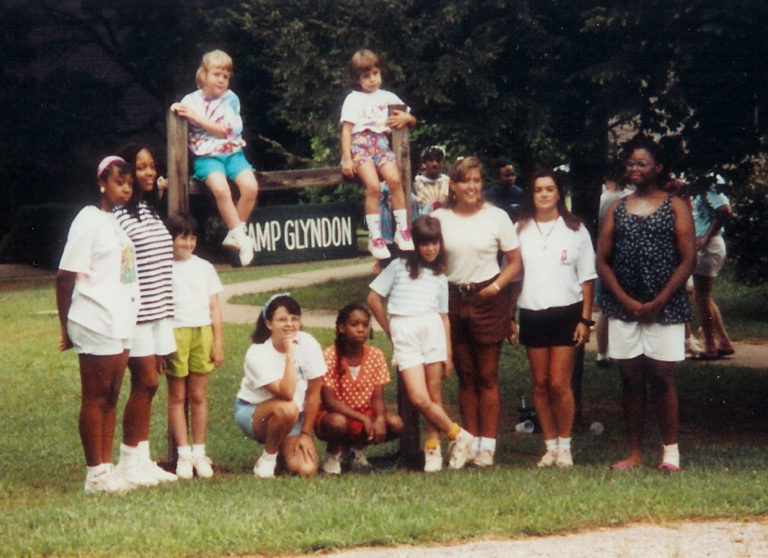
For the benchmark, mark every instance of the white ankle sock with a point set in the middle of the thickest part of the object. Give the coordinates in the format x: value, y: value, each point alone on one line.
x: 401, y: 219
x: 671, y: 455
x: 184, y: 451
x: 373, y: 221
x: 198, y: 450
x: 564, y: 443
x: 487, y: 444
x: 551, y: 445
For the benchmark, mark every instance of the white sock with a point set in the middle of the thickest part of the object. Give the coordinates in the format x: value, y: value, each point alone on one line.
x: 198, y: 450
x: 487, y: 444
x: 143, y: 448
x: 564, y: 443
x: 271, y: 457
x: 94, y: 471
x: 551, y: 445
x: 671, y: 455
x: 373, y: 221
x: 401, y: 219
x: 184, y: 452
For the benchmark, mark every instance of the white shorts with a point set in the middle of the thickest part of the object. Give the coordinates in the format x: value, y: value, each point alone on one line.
x: 710, y: 259
x: 418, y: 340
x: 88, y: 342
x: 153, y: 338
x: 664, y: 342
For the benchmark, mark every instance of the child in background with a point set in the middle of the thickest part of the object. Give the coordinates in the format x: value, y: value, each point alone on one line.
x: 197, y: 326
x: 366, y: 151
x: 353, y: 412
x: 431, y: 185
x: 419, y: 330
x: 216, y: 139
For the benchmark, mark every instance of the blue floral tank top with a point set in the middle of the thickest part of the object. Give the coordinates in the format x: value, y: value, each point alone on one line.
x: 644, y: 258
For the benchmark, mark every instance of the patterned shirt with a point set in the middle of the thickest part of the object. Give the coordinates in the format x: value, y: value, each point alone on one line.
x: 426, y: 294
x: 154, y: 261
x: 224, y: 111
x: 643, y: 259
x: 356, y: 392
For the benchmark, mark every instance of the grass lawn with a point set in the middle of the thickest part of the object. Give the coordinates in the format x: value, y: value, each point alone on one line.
x: 723, y: 440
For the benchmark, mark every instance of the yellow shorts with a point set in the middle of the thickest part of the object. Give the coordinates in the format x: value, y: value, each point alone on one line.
x: 193, y: 351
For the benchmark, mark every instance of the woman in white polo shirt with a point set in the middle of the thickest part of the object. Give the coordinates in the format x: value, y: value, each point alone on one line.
x: 555, y: 306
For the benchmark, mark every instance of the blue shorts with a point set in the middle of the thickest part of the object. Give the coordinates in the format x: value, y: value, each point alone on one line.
x: 230, y: 165
x: 244, y: 419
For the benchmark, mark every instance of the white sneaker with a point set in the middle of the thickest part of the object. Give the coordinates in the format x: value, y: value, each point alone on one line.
x: 548, y: 459
x: 184, y: 468
x: 378, y: 248
x: 359, y: 460
x: 564, y: 459
x: 230, y: 242
x: 246, y: 253
x: 459, y: 449
x: 433, y: 460
x: 484, y: 458
x: 403, y: 240
x: 264, y: 468
x: 108, y: 482
x: 202, y: 466
x: 158, y: 472
x: 332, y: 463
x: 135, y: 471
x: 693, y: 346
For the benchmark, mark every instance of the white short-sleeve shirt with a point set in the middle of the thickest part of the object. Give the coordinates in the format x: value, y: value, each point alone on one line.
x: 427, y: 294
x: 264, y: 364
x: 473, y: 242
x: 194, y: 282
x: 368, y: 111
x: 556, y: 260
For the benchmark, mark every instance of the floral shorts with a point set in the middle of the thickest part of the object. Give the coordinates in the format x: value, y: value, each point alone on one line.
x: 371, y: 146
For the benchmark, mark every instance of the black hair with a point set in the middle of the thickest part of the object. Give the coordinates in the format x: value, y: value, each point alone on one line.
x: 129, y: 152
x: 181, y: 223
x: 425, y: 229
x: 614, y: 171
x: 122, y: 167
x: 433, y: 153
x: 340, y: 341
x: 262, y: 333
x: 528, y: 207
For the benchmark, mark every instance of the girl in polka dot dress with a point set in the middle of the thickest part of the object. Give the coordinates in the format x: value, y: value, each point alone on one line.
x: 416, y: 320
x: 353, y: 412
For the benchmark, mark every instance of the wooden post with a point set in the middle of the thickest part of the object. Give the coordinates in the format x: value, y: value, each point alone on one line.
x: 178, y: 164
x: 410, y: 439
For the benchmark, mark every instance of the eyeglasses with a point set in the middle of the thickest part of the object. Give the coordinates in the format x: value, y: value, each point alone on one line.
x: 639, y: 164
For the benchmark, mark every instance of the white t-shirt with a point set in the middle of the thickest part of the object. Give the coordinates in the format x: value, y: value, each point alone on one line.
x: 368, y: 111
x: 557, y: 260
x: 427, y: 294
x: 106, y: 294
x: 264, y: 364
x: 473, y: 242
x: 194, y: 281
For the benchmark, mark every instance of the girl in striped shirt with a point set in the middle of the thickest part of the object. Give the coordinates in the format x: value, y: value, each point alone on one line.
x: 416, y: 321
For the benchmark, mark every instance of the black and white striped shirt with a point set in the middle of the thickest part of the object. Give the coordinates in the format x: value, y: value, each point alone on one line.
x: 154, y: 259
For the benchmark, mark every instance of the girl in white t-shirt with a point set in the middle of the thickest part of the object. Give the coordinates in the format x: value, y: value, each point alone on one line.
x: 366, y: 151
x: 419, y: 329
x: 97, y: 297
x: 555, y: 306
x: 279, y: 396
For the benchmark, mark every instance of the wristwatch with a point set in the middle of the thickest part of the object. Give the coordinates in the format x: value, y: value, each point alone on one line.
x: 586, y: 322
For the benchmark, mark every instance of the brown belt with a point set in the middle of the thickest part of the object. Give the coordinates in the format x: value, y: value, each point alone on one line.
x: 470, y: 288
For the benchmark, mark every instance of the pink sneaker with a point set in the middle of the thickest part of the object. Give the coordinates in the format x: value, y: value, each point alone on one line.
x: 403, y: 240
x: 378, y: 248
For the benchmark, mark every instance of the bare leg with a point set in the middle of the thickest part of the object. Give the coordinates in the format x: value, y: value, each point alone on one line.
x: 368, y: 175
x: 633, y: 402
x: 416, y: 385
x: 561, y: 363
x: 391, y: 173
x: 139, y: 406
x: 219, y: 187
x: 463, y: 358
x: 539, y: 358
x: 249, y: 188
x: 198, y: 405
x: 489, y: 396
x: 272, y: 421
x: 661, y: 376
x: 177, y: 416
x: 434, y: 377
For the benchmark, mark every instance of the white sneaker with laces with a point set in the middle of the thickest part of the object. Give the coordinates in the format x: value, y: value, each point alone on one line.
x: 403, y: 240
x: 108, y: 482
x: 184, y: 468
x: 332, y: 463
x: 265, y: 467
x: 378, y: 248
x: 459, y: 449
x: 564, y: 458
x: 484, y: 458
x: 134, y: 470
x: 548, y: 459
x: 158, y: 472
x: 202, y: 465
x: 230, y: 242
x: 433, y: 460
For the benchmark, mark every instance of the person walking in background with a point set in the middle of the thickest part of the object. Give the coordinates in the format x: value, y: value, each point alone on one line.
x: 97, y: 297
x: 197, y: 328
x: 645, y: 254
x: 366, y: 151
x: 153, y: 336
x: 479, y: 308
x: 353, y: 413
x: 216, y: 140
x: 555, y: 306
x: 711, y: 210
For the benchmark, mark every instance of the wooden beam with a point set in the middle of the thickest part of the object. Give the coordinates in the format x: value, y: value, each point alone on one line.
x: 178, y: 164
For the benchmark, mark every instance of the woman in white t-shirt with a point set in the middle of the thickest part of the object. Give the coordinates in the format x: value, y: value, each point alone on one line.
x: 555, y: 306
x: 97, y: 298
x: 478, y: 304
x: 279, y: 395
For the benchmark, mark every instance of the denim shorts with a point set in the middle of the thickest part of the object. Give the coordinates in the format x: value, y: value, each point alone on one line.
x: 230, y: 165
x: 244, y: 419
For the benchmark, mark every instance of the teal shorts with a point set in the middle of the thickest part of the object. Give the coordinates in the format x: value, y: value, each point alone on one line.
x: 193, y: 351
x: 231, y: 165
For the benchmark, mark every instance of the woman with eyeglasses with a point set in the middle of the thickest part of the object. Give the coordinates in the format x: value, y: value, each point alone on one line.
x: 645, y: 254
